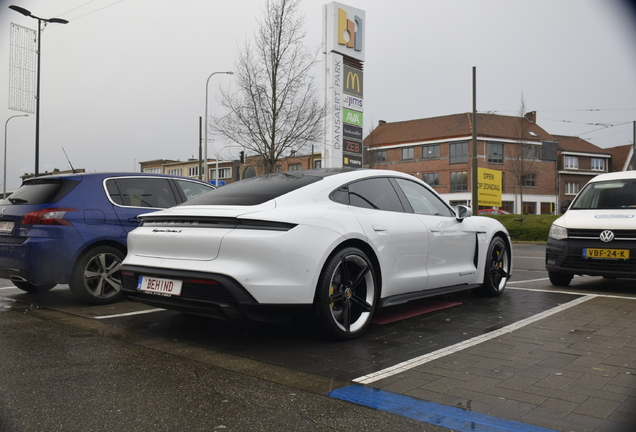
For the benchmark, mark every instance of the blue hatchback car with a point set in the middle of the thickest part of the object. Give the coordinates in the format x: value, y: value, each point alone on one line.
x: 72, y: 228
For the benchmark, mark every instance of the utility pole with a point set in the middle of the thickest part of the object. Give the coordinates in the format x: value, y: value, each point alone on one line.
x: 475, y: 190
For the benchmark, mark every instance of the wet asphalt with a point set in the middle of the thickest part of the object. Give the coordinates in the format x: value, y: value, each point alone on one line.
x: 63, y: 373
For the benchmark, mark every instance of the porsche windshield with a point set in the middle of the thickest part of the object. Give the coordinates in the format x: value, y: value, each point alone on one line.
x: 610, y: 195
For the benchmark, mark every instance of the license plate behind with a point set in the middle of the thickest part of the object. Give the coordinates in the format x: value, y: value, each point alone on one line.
x: 606, y: 253
x: 6, y: 227
x: 161, y: 286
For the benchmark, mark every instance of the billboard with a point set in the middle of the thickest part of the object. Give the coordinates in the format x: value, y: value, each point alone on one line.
x: 489, y: 187
x: 343, y: 28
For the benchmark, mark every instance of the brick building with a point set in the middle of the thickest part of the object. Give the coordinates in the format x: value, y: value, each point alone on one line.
x: 439, y: 151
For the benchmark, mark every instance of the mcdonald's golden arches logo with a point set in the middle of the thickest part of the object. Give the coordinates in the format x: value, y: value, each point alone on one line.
x: 353, y: 84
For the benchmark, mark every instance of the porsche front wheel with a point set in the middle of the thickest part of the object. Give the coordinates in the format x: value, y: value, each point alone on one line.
x: 496, y: 270
x: 347, y: 293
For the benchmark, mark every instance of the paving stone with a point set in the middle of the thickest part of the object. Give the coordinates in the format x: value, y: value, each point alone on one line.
x: 512, y: 409
x: 595, y: 407
x: 516, y: 395
x: 556, y: 394
x: 518, y: 383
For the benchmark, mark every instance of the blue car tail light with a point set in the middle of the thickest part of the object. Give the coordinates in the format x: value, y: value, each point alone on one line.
x: 50, y: 216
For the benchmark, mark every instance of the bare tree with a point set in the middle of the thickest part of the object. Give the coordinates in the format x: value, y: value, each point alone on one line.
x: 524, y: 156
x: 275, y: 112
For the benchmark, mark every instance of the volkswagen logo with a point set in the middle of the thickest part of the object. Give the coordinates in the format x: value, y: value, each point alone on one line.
x: 607, y: 236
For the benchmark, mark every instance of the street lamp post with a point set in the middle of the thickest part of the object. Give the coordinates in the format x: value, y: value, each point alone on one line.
x: 37, y: 88
x: 205, y: 139
x: 216, y: 172
x: 4, y: 183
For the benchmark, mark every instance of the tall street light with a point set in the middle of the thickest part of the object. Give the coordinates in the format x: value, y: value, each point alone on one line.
x: 4, y: 183
x: 205, y: 133
x: 37, y: 91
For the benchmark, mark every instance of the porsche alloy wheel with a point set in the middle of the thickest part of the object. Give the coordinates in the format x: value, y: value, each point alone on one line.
x: 96, y: 278
x: 347, y: 293
x: 497, y: 269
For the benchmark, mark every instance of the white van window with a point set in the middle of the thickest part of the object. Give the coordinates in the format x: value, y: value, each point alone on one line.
x: 613, y: 194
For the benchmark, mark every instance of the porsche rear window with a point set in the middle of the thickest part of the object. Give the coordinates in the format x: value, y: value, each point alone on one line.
x: 255, y: 190
x: 42, y: 191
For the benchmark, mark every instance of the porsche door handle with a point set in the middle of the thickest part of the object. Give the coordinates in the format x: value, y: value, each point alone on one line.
x: 380, y: 228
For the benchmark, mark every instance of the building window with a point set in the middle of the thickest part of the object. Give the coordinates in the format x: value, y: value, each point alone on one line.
x: 318, y: 164
x: 431, y: 179
x: 572, y: 188
x: 380, y: 156
x: 294, y: 167
x: 153, y: 170
x: 529, y: 208
x: 495, y: 153
x: 408, y: 153
x: 571, y: 162
x: 530, y: 180
x: 430, y: 151
x: 193, y: 171
x: 278, y: 168
x: 597, y: 164
x: 508, y: 206
x: 547, y: 208
x: 459, y: 181
x: 224, y: 173
x: 458, y: 152
x: 530, y: 151
x: 175, y: 172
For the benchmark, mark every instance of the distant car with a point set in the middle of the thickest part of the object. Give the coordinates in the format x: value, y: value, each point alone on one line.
x: 492, y: 211
x: 72, y: 228
x: 341, y: 242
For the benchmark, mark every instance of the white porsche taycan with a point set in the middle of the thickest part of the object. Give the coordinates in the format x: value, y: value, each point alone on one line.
x: 337, y: 243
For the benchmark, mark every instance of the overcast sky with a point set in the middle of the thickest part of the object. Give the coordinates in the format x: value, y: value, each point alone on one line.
x: 124, y: 81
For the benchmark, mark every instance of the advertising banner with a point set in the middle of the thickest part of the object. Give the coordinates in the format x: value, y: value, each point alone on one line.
x: 489, y: 187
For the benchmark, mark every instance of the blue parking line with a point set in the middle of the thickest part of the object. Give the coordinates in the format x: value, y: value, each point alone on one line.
x: 449, y: 417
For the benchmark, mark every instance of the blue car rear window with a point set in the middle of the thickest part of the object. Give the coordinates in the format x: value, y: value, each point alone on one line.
x: 42, y: 191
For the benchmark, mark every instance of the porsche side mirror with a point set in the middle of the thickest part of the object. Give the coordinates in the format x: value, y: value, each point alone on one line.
x: 462, y: 212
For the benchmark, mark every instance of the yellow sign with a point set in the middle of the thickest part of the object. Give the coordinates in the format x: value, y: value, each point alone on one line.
x: 489, y: 187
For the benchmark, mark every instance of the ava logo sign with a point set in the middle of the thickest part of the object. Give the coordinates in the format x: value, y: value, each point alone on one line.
x: 344, y: 30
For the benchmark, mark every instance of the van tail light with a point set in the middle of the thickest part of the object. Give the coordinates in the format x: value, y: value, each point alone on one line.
x: 50, y: 216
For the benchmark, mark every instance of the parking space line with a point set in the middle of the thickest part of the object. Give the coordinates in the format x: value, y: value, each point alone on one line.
x: 8, y: 288
x: 578, y: 293
x: 530, y: 280
x: 457, y: 419
x: 410, y: 364
x: 141, y: 312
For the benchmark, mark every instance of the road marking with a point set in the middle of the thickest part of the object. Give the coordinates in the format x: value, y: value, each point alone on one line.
x: 530, y: 280
x: 578, y: 293
x: 418, y: 361
x: 8, y: 288
x: 454, y: 418
x: 141, y: 312
x: 529, y: 257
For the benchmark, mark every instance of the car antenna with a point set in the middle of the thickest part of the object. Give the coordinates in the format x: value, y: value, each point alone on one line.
x: 69, y: 161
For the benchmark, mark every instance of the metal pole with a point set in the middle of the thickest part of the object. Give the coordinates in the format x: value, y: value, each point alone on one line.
x: 475, y: 192
x: 200, y: 145
x: 37, y: 105
x: 4, y: 183
x: 205, y: 143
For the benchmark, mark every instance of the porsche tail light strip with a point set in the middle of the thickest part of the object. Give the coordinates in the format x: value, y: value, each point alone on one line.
x: 211, y: 222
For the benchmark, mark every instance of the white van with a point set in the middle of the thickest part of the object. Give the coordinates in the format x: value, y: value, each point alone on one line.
x: 597, y: 234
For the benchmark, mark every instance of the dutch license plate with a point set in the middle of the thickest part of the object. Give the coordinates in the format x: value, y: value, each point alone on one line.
x: 606, y: 253
x: 6, y: 227
x: 162, y: 286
